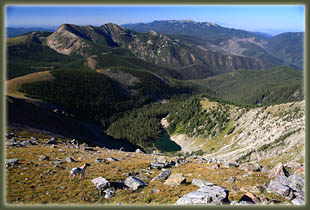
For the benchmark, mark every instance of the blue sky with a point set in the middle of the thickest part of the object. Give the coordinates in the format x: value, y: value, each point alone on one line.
x: 269, y: 19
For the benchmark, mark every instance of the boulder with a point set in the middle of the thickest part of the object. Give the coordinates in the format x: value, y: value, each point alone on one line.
x: 296, y: 182
x: 162, y: 176
x: 112, y: 159
x: 299, y: 198
x: 99, y: 160
x: 139, y: 151
x: 11, y: 162
x: 27, y: 143
x: 101, y: 184
x: 70, y: 160
x: 175, y: 179
x: 134, y: 183
x: 231, y: 179
x: 161, y: 159
x: 230, y: 164
x: 278, y: 170
x: 250, y: 167
x: 52, y: 141
x: 108, y: 193
x: 210, y: 195
x: 43, y: 157
x: 250, y: 198
x: 277, y: 187
x: 201, y: 183
x: 157, y: 165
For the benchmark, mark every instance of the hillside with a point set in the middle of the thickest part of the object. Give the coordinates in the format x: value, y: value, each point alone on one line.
x: 268, y: 134
x: 38, y: 165
x: 270, y: 86
x: 152, y: 47
x: 283, y: 49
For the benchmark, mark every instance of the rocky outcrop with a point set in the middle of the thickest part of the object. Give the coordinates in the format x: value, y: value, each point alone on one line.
x: 210, y: 195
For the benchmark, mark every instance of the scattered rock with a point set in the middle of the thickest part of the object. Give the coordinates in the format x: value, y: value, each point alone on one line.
x: 212, y: 195
x: 155, y: 191
x: 162, y: 176
x: 278, y: 170
x: 139, y: 151
x: 250, y: 167
x: 58, y: 162
x: 11, y: 162
x: 231, y: 179
x: 157, y: 165
x: 175, y: 179
x: 100, y: 160
x: 250, y: 198
x: 70, y: 160
x: 134, y: 183
x: 52, y: 141
x: 101, y: 184
x: 230, y: 164
x: 111, y: 159
x: 296, y: 182
x: 109, y: 193
x: 201, y: 183
x: 276, y: 186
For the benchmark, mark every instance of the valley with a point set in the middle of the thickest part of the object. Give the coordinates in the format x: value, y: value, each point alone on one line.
x: 221, y: 105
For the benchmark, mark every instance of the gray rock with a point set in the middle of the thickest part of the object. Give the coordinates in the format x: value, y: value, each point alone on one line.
x: 230, y: 164
x: 58, y: 162
x: 211, y: 195
x: 298, y: 201
x: 99, y: 160
x: 161, y: 159
x: 275, y: 186
x: 201, y: 183
x: 109, y: 193
x: 11, y: 162
x: 70, y: 160
x: 250, y: 167
x: 154, y: 191
x: 231, y: 179
x: 299, y: 198
x: 157, y: 165
x: 134, y: 183
x: 11, y: 143
x: 101, y: 184
x: 111, y: 159
x: 162, y: 176
x: 26, y: 143
x: 296, y: 182
x: 52, y: 141
x: 139, y: 151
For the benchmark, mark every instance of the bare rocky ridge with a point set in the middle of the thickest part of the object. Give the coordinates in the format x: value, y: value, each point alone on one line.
x: 155, y: 48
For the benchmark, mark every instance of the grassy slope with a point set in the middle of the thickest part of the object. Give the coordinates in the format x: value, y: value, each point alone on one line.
x: 13, y: 85
x: 24, y: 185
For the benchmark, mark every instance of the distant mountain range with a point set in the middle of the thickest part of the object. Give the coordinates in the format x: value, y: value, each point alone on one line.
x: 280, y: 49
x: 14, y: 31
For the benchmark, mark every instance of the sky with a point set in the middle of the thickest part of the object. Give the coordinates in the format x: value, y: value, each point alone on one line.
x: 269, y: 19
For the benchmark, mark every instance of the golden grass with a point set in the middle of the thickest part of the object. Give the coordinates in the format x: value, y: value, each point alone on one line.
x: 16, y: 40
x: 24, y: 185
x: 13, y: 85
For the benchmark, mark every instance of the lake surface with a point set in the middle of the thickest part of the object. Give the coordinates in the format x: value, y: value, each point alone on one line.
x: 165, y: 144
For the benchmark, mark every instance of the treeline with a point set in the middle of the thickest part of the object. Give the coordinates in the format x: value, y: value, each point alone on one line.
x: 254, y: 87
x: 141, y: 126
x: 88, y: 94
x: 189, y: 117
